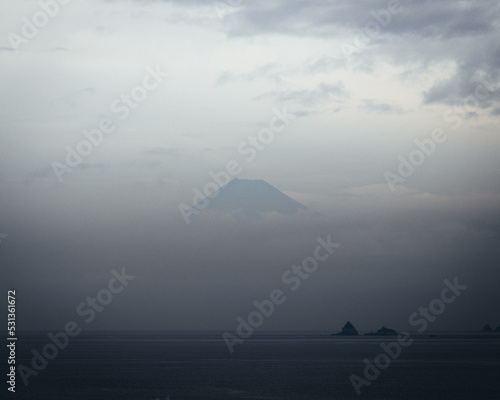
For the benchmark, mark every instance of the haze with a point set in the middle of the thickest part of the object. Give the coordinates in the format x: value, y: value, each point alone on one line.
x: 225, y: 71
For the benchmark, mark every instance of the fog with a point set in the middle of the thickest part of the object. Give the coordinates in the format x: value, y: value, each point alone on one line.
x: 355, y: 121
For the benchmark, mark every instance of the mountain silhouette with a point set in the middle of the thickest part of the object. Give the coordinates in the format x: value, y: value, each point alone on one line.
x: 347, y: 330
x: 251, y: 198
x: 383, y: 332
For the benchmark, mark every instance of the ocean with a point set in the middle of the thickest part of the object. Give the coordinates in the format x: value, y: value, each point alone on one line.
x: 292, y: 365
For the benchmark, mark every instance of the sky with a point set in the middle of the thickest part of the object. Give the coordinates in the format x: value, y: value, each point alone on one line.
x: 382, y: 117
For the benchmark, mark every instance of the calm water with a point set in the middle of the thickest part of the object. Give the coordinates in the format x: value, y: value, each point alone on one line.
x: 267, y: 366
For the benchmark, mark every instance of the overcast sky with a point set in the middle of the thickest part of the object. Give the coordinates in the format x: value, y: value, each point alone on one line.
x: 361, y: 82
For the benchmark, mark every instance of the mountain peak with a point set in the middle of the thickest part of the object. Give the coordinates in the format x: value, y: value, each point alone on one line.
x: 250, y: 198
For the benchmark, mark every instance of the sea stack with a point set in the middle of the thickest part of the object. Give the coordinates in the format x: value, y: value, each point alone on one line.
x: 348, y: 330
x: 383, y: 332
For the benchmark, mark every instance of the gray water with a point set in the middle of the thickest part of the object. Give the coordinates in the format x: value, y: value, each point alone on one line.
x: 179, y: 366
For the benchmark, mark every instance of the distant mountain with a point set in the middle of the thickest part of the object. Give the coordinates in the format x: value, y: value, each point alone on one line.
x: 250, y: 198
x: 487, y: 328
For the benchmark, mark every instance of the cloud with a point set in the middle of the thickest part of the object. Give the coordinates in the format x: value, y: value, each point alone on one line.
x: 164, y: 151
x: 271, y: 71
x: 441, y: 20
x: 324, y: 92
x: 383, y: 108
x: 323, y: 64
x: 471, y: 83
x: 453, y: 28
x: 73, y: 98
x: 496, y: 111
x: 87, y: 166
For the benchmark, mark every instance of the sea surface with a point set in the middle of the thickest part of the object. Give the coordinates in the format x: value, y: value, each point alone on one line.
x: 313, y: 366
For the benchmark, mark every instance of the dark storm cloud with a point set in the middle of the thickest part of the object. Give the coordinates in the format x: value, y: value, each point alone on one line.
x: 477, y: 80
x: 436, y: 20
x: 448, y: 28
x: 445, y: 19
x: 444, y: 30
